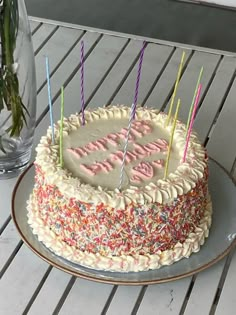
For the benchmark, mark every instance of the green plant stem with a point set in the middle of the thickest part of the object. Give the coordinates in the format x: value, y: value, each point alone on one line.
x: 8, y: 54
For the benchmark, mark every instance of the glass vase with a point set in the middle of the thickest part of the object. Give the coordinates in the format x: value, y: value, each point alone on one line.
x: 17, y: 89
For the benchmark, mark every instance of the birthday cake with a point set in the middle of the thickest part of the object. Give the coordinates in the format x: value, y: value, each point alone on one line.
x: 90, y: 213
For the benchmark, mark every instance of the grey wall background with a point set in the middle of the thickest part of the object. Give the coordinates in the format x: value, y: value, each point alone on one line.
x: 172, y: 20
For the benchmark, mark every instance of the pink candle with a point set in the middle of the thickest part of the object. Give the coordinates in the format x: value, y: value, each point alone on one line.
x: 192, y: 120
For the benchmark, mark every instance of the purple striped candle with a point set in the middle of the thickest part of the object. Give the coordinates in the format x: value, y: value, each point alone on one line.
x: 138, y: 79
x: 82, y: 81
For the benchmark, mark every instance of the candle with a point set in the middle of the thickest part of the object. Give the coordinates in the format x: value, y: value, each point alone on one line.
x: 50, y: 98
x: 126, y: 146
x: 175, y: 88
x: 192, y: 120
x: 171, y: 139
x: 82, y: 81
x: 138, y: 79
x: 194, y: 97
x: 61, y: 127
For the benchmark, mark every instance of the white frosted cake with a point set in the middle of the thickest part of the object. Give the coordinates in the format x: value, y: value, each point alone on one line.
x: 79, y: 212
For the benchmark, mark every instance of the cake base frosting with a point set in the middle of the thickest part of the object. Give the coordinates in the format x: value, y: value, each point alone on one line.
x: 121, y: 263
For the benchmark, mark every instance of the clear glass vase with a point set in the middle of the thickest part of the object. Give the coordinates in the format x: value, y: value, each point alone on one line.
x: 17, y: 89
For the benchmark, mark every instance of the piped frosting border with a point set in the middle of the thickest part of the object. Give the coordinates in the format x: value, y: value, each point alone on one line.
x: 180, y: 182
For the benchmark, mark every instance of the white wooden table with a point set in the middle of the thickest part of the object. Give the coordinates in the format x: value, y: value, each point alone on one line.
x: 28, y: 285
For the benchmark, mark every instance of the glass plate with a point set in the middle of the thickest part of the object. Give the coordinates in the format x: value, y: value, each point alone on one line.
x: 218, y: 244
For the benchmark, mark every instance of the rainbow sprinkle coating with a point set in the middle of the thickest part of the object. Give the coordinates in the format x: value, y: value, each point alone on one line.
x: 139, y: 229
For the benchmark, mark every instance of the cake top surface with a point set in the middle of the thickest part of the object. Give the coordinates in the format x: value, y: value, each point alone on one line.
x: 94, y: 153
x: 93, y: 156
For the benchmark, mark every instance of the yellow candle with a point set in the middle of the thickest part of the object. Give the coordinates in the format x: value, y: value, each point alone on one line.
x: 171, y: 139
x: 61, y: 127
x: 175, y: 88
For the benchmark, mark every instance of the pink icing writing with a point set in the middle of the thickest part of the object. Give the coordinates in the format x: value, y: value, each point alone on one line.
x: 143, y: 170
x: 97, y: 167
x: 78, y: 152
x: 135, y: 179
x: 113, y: 139
x: 140, y: 151
x: 158, y: 163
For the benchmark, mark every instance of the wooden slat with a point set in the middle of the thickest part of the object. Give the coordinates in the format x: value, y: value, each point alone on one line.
x: 50, y: 293
x: 34, y: 25
x: 124, y: 300
x: 42, y: 35
x: 166, y: 298
x: 9, y: 240
x: 164, y: 86
x: 155, y: 57
x: 97, y: 64
x: 188, y: 81
x: 202, y: 295
x: 20, y: 281
x: 227, y: 302
x: 222, y: 143
x: 65, y: 70
x: 58, y: 46
x: 214, y: 97
x: 86, y: 298
x: 6, y: 187
x: 117, y: 74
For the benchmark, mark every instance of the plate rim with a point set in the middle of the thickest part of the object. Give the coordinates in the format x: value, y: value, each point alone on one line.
x: 100, y: 279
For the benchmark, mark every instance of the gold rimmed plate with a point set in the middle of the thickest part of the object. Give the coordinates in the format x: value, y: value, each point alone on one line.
x: 218, y: 244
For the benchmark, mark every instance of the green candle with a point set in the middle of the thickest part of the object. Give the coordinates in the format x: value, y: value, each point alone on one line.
x: 61, y: 126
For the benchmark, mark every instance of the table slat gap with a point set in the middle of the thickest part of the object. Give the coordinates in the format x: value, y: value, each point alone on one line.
x: 233, y: 171
x: 221, y: 283
x: 163, y: 89
x: 56, y: 48
x: 36, y: 292
x: 128, y: 72
x: 188, y: 293
x: 106, y: 73
x: 64, y: 295
x: 11, y: 258
x: 34, y: 27
x: 67, y: 81
x: 154, y: 58
x: 185, y: 66
x: 45, y: 40
x: 109, y: 300
x: 139, y: 300
x: 159, y: 76
x: 209, y: 83
x: 210, y: 132
x: 61, y: 61
x: 222, y: 132
x: 5, y: 224
x: 214, y: 99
